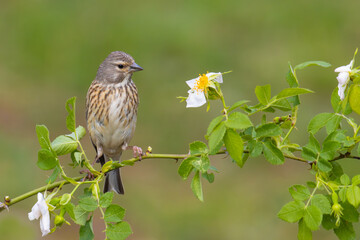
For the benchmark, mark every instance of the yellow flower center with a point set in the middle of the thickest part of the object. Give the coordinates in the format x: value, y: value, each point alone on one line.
x: 202, y: 83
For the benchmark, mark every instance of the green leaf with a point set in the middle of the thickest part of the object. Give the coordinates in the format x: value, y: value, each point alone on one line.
x: 354, y: 98
x: 54, y: 175
x: 312, y: 217
x: 282, y: 104
x: 309, y: 154
x: 106, y: 199
x: 324, y: 165
x: 342, y: 194
x: 335, y: 100
x: 289, y: 92
x: 273, y: 154
x: 69, y: 208
x: 344, y: 179
x: 353, y: 195
x: 350, y: 213
x: 43, y: 136
x: 214, y: 123
x: 119, y: 231
x: 198, y: 148
x: 313, y: 144
x: 65, y: 199
x: 319, y: 121
x: 238, y: 120
x: 256, y: 148
x: 329, y: 150
x: 186, y: 167
x: 114, y: 213
x: 216, y: 138
x: 304, y: 232
x: 333, y: 124
x: 196, y: 186
x: 46, y: 159
x: 345, y: 231
x: 292, y: 211
x: 202, y: 164
x: 268, y: 130
x: 234, y: 146
x: 88, y: 204
x: 356, y: 180
x: 322, y: 203
x: 80, y: 215
x: 299, y: 192
x: 237, y: 104
x: 76, y: 157
x: 63, y: 145
x: 86, y: 231
x: 291, y: 78
x: 70, y: 119
x: 263, y: 93
x: 209, y: 176
x: 80, y: 132
x: 312, y: 63
x: 328, y: 222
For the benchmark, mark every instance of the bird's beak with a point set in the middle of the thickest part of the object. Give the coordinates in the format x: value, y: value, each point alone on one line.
x: 134, y: 67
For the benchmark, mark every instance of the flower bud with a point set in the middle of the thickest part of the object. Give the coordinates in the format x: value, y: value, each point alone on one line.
x: 59, y: 220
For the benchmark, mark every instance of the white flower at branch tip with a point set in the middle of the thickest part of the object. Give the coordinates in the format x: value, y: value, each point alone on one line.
x: 41, y: 210
x: 343, y: 78
x: 198, y: 87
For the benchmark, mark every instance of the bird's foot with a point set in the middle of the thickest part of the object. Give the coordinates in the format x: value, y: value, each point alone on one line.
x: 89, y: 175
x: 137, y: 151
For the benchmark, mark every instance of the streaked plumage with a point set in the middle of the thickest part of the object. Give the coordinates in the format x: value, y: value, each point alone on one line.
x: 111, y: 112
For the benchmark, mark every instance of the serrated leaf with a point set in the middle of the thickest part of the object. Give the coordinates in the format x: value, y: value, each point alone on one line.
x: 353, y: 195
x: 329, y: 150
x: 202, y: 164
x: 282, y: 104
x: 322, y: 203
x: 80, y: 215
x: 345, y: 231
x: 268, y: 130
x: 88, y: 204
x: 63, y: 145
x: 312, y: 63
x: 106, y: 199
x: 70, y: 119
x: 69, y: 208
x: 119, y: 231
x: 313, y: 144
x: 272, y: 153
x: 328, y: 222
x: 344, y: 179
x: 335, y: 100
x: 291, y: 78
x: 304, y: 232
x: 299, y: 192
x: 350, y: 213
x: 324, y: 165
x: 255, y: 149
x: 354, y: 98
x: 198, y: 148
x: 313, y: 217
x: 186, y: 167
x: 114, y: 213
x: 54, y: 175
x: 214, y: 123
x: 263, y: 94
x: 319, y: 121
x: 196, y: 186
x: 46, y: 159
x: 209, y: 176
x: 237, y: 104
x: 234, y: 146
x: 333, y: 124
x: 80, y: 133
x: 86, y: 231
x: 289, y: 92
x: 355, y: 180
x: 43, y: 136
x: 65, y: 199
x: 342, y: 194
x: 292, y: 211
x: 238, y: 120
x: 216, y: 138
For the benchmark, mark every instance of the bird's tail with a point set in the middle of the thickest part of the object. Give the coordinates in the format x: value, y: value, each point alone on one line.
x: 112, y: 179
x: 113, y: 182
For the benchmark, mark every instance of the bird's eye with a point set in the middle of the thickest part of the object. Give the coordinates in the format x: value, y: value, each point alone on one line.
x: 120, y: 66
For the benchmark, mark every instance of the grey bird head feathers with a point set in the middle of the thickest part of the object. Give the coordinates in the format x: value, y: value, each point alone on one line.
x: 117, y: 67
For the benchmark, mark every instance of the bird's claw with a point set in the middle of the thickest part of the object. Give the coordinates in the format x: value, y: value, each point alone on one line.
x: 137, y: 151
x: 89, y: 175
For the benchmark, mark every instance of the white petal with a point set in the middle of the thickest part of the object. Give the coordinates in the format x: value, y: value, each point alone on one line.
x: 35, y: 212
x: 195, y: 99
x: 346, y: 68
x: 191, y: 83
x: 218, y: 78
x: 341, y: 91
x: 45, y: 224
x: 343, y: 77
x: 351, y: 64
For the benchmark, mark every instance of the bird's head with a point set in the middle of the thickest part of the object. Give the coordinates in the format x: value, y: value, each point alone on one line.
x: 117, y: 67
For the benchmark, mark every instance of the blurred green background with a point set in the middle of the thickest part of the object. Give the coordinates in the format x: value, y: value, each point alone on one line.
x: 50, y: 51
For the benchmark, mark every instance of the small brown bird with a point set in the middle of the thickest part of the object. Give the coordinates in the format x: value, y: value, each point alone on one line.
x: 111, y: 112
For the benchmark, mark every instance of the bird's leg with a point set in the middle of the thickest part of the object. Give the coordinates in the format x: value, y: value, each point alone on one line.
x: 99, y: 154
x: 137, y: 151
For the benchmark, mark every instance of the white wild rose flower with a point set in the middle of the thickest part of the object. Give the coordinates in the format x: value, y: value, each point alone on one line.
x: 41, y: 210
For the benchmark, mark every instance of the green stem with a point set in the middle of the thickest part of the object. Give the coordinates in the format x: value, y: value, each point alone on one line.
x: 292, y: 125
